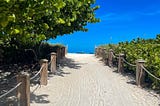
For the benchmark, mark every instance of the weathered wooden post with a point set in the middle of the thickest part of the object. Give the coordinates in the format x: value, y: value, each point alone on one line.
x: 58, y: 55
x: 110, y: 58
x: 103, y: 54
x: 140, y: 73
x: 101, y: 51
x: 23, y: 91
x: 53, y: 62
x: 66, y: 49
x: 97, y: 54
x: 63, y: 52
x: 120, y: 63
x: 44, y: 72
x: 106, y: 58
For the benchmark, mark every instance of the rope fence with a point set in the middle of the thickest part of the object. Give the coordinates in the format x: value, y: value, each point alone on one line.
x: 11, y: 90
x: 114, y: 55
x: 140, y: 69
x: 37, y: 73
x: 150, y: 73
x: 129, y: 63
x: 24, y: 79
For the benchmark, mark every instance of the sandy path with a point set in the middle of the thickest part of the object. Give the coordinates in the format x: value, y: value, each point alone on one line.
x: 85, y: 81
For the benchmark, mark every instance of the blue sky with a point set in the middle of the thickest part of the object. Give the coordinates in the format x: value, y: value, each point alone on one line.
x: 121, y: 20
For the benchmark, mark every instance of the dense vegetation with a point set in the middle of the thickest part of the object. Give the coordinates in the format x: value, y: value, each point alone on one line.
x: 24, y: 24
x: 147, y: 49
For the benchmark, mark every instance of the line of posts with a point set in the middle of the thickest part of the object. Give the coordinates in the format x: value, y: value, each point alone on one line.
x: 107, y: 57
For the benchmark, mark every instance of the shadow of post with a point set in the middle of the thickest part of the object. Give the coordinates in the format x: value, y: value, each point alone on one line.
x: 67, y: 62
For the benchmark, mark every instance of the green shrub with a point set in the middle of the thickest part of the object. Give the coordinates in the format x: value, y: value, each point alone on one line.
x: 148, y: 50
x: 45, y: 49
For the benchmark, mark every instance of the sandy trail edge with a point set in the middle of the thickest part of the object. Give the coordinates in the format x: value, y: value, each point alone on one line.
x: 85, y: 81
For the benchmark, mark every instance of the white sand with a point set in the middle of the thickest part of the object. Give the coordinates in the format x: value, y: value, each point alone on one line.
x: 85, y: 81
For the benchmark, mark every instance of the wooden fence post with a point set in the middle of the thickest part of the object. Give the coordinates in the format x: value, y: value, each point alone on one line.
x: 23, y: 91
x: 99, y: 51
x: 66, y: 49
x: 53, y: 62
x: 110, y: 58
x: 106, y: 58
x: 97, y: 54
x: 103, y: 54
x: 140, y: 73
x: 58, y: 55
x: 63, y: 52
x: 120, y: 63
x: 44, y: 72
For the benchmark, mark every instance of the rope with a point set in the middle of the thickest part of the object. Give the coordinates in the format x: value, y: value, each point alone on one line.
x: 11, y: 90
x: 37, y: 73
x: 150, y: 73
x: 49, y: 64
x: 40, y: 70
x: 129, y: 63
x: 36, y: 88
x: 114, y: 55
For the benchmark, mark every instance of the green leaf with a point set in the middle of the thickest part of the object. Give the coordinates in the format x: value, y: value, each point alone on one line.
x: 4, y: 23
x: 46, y: 26
x: 16, y: 31
x: 7, y: 1
x: 61, y: 21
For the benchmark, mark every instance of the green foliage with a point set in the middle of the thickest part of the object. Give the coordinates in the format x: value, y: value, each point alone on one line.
x: 32, y: 21
x: 1, y: 55
x: 109, y: 46
x: 28, y: 55
x: 148, y: 50
x: 46, y: 48
x: 24, y: 24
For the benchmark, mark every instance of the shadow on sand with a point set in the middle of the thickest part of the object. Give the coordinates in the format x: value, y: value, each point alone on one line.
x: 42, y: 99
x: 131, y: 76
x: 34, y: 98
x: 67, y: 62
x: 70, y: 63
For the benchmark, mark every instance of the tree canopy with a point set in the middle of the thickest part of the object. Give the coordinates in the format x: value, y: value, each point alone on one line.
x: 28, y: 22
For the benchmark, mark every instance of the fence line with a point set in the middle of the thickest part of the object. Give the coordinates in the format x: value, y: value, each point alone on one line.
x: 114, y: 55
x: 150, y: 73
x: 50, y: 62
x: 23, y: 79
x: 128, y: 63
x: 37, y: 73
x: 140, y: 69
x: 11, y: 90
